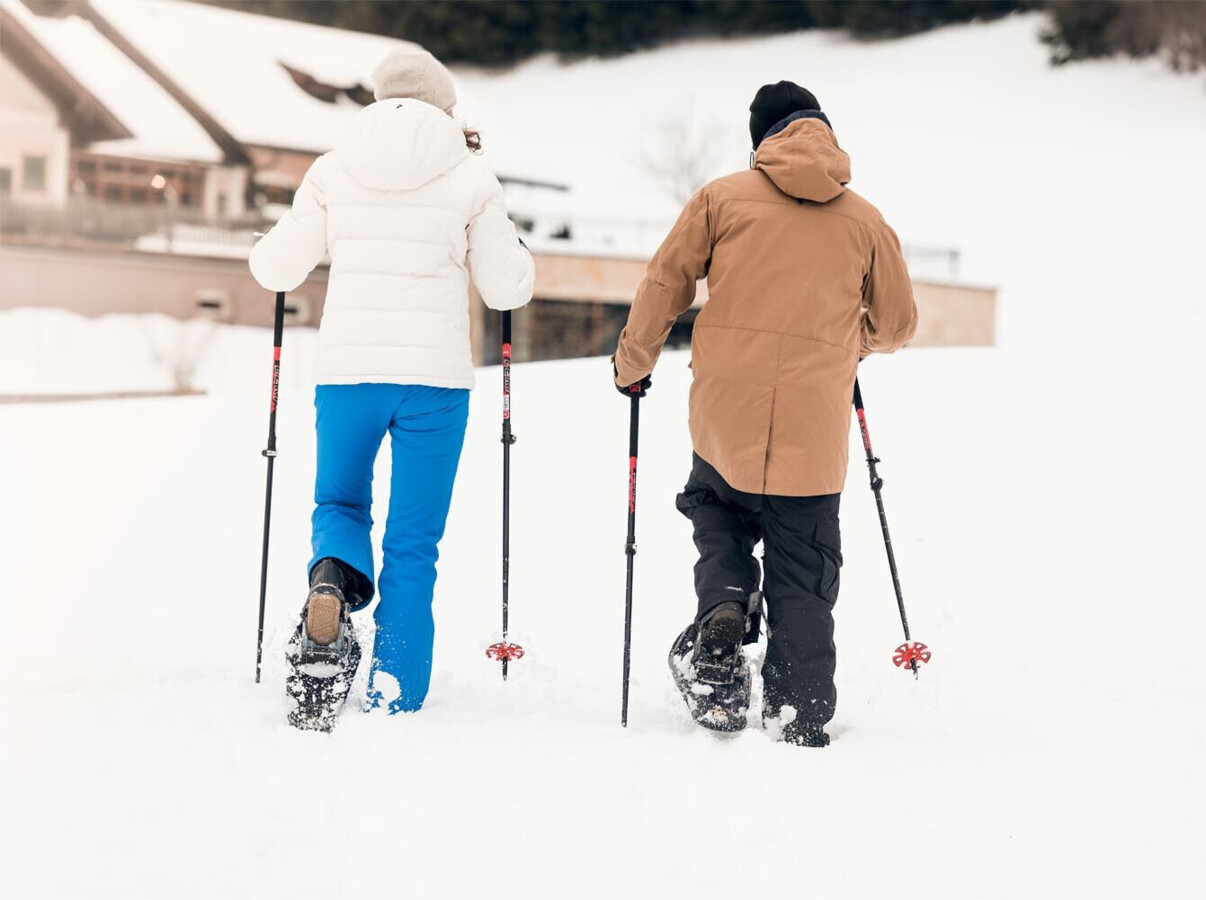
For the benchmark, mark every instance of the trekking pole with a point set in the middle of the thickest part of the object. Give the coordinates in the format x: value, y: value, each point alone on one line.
x: 634, y: 422
x: 909, y: 653
x: 278, y: 330
x: 503, y: 651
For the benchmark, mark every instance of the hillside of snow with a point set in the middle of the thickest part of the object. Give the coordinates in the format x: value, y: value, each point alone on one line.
x: 1068, y: 188
x: 1042, y: 498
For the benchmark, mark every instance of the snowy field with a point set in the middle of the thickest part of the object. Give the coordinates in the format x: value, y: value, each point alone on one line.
x: 1042, y: 495
x: 1050, y: 549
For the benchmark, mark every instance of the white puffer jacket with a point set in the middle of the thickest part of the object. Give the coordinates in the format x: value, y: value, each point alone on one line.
x: 407, y: 215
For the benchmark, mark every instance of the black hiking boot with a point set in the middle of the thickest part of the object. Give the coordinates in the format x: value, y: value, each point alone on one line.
x: 805, y: 734
x: 720, y: 636
x: 710, y: 669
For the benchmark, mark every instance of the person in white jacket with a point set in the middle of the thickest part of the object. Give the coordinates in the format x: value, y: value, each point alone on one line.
x: 408, y: 215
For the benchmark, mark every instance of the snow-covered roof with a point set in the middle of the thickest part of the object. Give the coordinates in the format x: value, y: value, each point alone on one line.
x: 162, y: 128
x: 233, y: 65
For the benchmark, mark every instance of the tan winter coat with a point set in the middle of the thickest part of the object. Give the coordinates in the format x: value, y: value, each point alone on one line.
x: 804, y: 278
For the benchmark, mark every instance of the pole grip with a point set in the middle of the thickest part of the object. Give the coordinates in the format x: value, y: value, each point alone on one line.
x: 278, y: 322
x: 507, y: 437
x: 634, y: 423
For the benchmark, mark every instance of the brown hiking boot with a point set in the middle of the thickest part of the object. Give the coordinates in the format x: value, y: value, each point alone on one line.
x: 324, y: 606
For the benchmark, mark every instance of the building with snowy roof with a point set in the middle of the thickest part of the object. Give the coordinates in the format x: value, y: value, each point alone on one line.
x: 143, y: 142
x: 151, y: 101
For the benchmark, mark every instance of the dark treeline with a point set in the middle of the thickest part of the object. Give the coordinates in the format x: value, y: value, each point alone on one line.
x: 501, y: 32
x: 1174, y: 30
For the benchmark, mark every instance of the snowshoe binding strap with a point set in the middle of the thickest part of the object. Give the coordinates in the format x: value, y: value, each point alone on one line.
x: 754, y: 612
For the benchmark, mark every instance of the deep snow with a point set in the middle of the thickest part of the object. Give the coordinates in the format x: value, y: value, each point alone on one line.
x: 1042, y: 496
x: 1049, y: 549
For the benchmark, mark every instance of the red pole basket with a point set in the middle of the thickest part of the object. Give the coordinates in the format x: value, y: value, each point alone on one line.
x: 504, y: 651
x: 909, y: 654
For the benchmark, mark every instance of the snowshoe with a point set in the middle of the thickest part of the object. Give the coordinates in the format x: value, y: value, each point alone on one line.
x: 320, y: 676
x: 322, y: 655
x: 710, y: 669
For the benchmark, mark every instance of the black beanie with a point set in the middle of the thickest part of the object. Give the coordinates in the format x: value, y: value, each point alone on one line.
x: 775, y: 102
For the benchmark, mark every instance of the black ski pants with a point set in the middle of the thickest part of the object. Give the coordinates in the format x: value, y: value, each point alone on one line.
x: 802, y: 555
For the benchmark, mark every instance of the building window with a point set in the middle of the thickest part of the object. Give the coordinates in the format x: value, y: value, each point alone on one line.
x: 6, y: 182
x: 35, y: 173
x: 136, y: 182
x: 276, y: 193
x: 562, y: 329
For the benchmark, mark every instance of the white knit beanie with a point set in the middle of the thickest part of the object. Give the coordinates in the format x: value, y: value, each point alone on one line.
x: 416, y: 74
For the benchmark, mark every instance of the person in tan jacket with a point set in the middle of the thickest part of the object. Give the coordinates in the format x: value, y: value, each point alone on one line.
x: 804, y: 279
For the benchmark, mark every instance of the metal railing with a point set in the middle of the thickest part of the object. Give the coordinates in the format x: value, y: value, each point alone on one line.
x: 90, y: 220
x: 922, y: 258
x: 172, y: 228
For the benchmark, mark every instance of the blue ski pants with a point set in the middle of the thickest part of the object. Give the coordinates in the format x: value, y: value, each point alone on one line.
x: 426, y: 426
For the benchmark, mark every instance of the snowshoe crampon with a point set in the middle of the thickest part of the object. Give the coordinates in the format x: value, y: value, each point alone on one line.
x: 713, y: 677
x: 320, y: 675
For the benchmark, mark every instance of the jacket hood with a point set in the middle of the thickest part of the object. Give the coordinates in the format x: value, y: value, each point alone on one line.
x: 401, y: 144
x: 804, y: 161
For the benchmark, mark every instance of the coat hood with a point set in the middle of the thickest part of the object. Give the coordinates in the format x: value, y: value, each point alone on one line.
x: 396, y: 145
x: 805, y: 161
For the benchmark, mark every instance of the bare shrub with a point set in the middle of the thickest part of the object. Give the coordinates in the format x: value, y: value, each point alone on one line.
x: 683, y: 154
x: 180, y: 347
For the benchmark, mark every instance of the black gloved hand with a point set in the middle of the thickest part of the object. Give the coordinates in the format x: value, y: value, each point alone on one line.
x: 640, y: 389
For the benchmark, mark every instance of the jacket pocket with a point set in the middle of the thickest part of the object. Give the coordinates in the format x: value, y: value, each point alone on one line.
x: 693, y: 497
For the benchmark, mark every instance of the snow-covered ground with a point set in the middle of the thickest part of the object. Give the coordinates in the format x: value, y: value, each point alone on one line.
x: 1049, y: 538
x: 1042, y: 495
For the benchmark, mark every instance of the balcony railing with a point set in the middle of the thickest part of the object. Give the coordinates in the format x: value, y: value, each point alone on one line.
x: 89, y: 221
